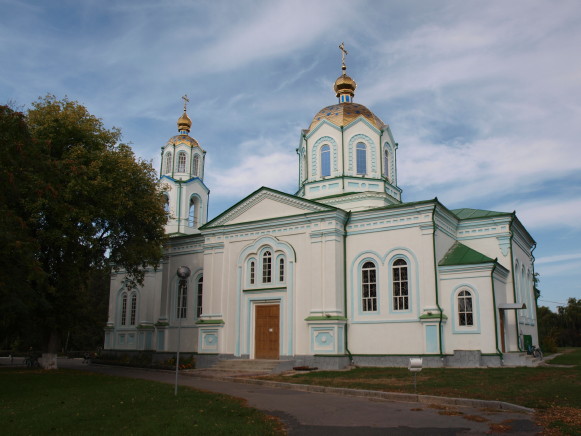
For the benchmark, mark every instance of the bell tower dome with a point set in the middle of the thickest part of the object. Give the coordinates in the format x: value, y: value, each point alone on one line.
x: 182, y: 180
x: 347, y: 156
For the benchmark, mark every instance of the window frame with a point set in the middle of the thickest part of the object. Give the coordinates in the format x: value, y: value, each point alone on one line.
x: 182, y: 160
x: 266, y: 267
x: 325, y: 159
x: 369, y: 300
x: 195, y: 165
x: 458, y: 328
x: 168, y: 163
x: 199, y: 295
x: 465, y: 314
x: 361, y: 159
x: 133, y: 310
x: 397, y: 284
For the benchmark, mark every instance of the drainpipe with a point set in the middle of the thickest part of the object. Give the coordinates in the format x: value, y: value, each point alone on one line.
x: 513, y: 282
x: 436, y: 277
x: 345, y: 287
x: 343, y: 163
x: 535, y: 294
x: 179, y: 217
x: 495, y: 309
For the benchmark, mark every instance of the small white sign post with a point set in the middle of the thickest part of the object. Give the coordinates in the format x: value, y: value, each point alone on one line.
x: 415, y: 366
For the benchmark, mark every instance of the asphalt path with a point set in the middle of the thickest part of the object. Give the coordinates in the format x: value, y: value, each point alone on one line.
x: 309, y: 413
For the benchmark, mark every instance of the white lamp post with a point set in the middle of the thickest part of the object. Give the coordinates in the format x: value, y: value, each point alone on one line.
x: 183, y: 273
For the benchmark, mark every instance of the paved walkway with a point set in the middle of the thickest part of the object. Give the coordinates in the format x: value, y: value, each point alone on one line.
x: 309, y: 413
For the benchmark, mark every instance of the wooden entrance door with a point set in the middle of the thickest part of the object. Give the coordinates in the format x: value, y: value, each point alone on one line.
x: 501, y: 314
x: 266, y: 335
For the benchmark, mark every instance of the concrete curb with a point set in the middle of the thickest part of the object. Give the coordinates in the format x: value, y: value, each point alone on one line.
x: 380, y: 395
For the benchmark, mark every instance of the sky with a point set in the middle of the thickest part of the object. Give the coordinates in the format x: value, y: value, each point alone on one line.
x: 483, y: 97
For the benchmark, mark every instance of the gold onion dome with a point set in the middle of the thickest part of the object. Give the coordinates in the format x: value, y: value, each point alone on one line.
x: 184, y: 123
x: 345, y: 85
x: 344, y: 113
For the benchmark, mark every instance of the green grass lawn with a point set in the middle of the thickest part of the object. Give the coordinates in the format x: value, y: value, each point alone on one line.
x: 570, y: 356
x: 554, y: 391
x: 69, y: 402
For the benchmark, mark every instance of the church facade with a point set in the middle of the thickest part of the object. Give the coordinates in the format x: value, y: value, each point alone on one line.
x: 341, y: 272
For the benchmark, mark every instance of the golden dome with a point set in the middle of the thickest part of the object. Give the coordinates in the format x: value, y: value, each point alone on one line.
x: 344, y: 113
x: 184, y: 123
x: 345, y: 85
x: 183, y: 139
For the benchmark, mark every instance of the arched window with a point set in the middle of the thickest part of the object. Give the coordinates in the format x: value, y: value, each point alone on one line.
x: 252, y: 272
x: 325, y: 161
x: 465, y: 310
x: 168, y: 163
x: 200, y: 294
x: 124, y: 310
x: 182, y: 302
x: 192, y: 218
x: 195, y: 165
x: 361, y: 158
x: 386, y: 163
x: 133, y: 310
x: 369, y: 287
x: 400, y: 285
x: 281, y: 269
x: 267, y: 267
x: 182, y: 162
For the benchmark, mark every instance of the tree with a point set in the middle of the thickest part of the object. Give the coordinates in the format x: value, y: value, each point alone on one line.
x: 76, y: 202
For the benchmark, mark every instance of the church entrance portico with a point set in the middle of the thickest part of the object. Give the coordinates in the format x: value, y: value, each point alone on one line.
x: 266, y: 331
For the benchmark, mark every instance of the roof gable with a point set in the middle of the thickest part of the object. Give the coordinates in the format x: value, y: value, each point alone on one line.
x: 266, y: 203
x: 460, y: 254
x: 467, y: 213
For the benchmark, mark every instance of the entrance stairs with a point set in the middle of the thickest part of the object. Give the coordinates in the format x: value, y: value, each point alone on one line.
x: 238, y: 368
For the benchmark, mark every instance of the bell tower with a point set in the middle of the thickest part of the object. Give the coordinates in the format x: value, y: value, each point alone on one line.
x: 347, y: 156
x: 182, y: 180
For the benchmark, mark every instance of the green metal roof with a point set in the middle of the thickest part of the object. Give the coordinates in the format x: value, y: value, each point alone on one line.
x: 467, y: 213
x: 460, y: 254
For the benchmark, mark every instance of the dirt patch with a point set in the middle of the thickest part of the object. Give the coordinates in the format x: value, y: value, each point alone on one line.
x: 450, y: 412
x: 475, y: 418
x: 559, y: 420
x: 503, y: 427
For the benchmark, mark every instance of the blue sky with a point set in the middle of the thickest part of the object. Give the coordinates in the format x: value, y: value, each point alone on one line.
x: 483, y: 97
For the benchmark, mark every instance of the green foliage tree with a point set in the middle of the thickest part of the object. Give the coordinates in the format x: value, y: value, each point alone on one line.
x: 75, y: 201
x: 560, y: 329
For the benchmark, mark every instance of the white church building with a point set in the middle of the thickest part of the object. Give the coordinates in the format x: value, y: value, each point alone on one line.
x: 343, y: 271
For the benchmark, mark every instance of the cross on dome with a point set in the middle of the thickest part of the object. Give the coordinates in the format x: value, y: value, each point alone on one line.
x: 184, y: 122
x: 344, y: 85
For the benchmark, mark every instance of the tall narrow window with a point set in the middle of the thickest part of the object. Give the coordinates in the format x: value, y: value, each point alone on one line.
x: 281, y: 270
x: 124, y: 310
x: 192, y: 221
x: 182, y: 162
x: 200, y: 296
x: 361, y: 158
x: 369, y: 287
x: 195, y: 165
x: 325, y: 161
x: 386, y: 163
x: 166, y: 203
x: 400, y: 285
x: 252, y: 272
x: 267, y: 267
x: 465, y: 312
x: 133, y: 309
x: 182, y: 303
x: 168, y: 163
